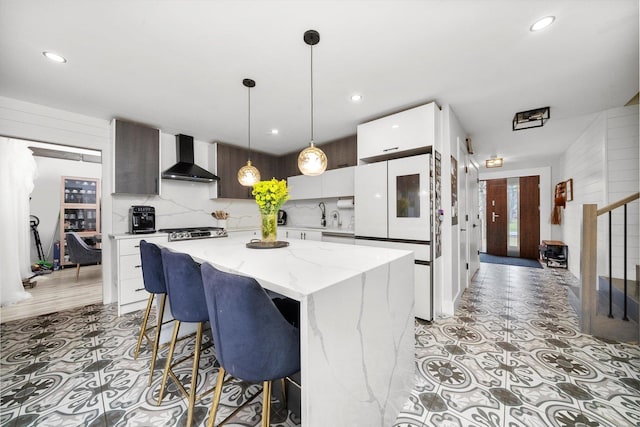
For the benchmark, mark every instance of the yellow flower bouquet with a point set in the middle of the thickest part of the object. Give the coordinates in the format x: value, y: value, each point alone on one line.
x: 270, y: 196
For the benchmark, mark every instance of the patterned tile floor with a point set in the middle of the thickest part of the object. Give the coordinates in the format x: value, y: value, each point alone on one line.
x: 511, y: 356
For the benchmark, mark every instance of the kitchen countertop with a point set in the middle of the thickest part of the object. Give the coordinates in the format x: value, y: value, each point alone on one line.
x: 356, y: 321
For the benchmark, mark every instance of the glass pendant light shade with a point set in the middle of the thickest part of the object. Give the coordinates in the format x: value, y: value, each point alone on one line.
x: 312, y: 161
x: 248, y: 174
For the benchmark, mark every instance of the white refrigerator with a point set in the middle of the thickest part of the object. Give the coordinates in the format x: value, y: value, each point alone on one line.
x: 393, y: 209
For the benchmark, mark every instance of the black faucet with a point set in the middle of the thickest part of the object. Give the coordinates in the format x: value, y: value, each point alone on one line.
x: 323, y: 220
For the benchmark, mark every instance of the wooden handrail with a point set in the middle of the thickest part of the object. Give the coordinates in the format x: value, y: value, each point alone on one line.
x: 619, y: 203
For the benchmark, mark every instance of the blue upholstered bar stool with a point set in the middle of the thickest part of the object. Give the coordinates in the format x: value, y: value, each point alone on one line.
x: 254, y: 342
x: 188, y: 304
x: 153, y: 275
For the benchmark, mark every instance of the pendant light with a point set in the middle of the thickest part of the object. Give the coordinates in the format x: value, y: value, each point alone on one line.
x: 312, y: 160
x: 248, y: 175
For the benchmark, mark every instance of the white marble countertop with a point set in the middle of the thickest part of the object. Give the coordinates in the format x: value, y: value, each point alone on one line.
x: 297, y: 271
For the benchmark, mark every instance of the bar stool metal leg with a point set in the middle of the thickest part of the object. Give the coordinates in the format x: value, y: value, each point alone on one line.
x: 143, y: 328
x: 194, y: 374
x: 156, y: 342
x: 266, y: 404
x: 216, y: 397
x: 167, y: 366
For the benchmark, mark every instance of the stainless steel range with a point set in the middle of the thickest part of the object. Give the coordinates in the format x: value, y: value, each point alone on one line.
x: 191, y: 233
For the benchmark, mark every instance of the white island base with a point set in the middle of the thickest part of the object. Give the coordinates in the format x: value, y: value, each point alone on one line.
x: 356, y: 321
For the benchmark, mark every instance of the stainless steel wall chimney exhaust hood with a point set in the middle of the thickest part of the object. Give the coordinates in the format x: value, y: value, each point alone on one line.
x: 186, y: 169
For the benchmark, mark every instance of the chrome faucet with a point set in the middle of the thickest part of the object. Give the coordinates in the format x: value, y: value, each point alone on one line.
x: 323, y: 220
x: 335, y: 215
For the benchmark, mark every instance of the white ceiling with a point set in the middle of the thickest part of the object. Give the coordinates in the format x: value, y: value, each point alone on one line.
x: 179, y: 65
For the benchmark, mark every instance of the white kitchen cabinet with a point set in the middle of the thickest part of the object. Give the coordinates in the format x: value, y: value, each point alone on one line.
x: 300, y: 234
x: 132, y: 295
x: 406, y: 132
x: 338, y: 182
x: 304, y: 187
x: 371, y: 200
x: 332, y: 183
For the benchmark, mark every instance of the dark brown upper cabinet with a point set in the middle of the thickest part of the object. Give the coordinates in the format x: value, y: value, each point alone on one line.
x: 340, y: 153
x: 230, y: 159
x: 137, y: 158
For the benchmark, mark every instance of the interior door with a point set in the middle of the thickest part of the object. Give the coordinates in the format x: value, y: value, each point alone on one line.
x: 497, y: 217
x: 474, y: 220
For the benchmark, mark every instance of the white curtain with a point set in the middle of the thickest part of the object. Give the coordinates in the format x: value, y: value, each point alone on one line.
x: 17, y: 172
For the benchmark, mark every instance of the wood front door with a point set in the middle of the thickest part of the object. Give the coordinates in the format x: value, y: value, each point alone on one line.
x: 497, y: 217
x: 529, y: 216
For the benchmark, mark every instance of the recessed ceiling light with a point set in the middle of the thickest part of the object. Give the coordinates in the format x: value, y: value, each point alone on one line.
x: 356, y: 98
x: 54, y: 57
x: 274, y: 131
x: 542, y: 23
x: 395, y: 126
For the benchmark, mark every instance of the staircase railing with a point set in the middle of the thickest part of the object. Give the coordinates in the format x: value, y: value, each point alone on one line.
x: 589, y: 258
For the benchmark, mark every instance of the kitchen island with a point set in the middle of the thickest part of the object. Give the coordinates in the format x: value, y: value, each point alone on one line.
x: 356, y: 321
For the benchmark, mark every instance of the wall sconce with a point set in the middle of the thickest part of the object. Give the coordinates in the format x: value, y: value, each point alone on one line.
x: 493, y: 162
x: 531, y: 119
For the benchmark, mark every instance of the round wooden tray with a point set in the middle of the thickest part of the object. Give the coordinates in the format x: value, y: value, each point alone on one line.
x: 259, y: 244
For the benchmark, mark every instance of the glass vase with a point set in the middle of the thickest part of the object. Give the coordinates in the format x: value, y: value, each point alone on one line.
x: 269, y: 227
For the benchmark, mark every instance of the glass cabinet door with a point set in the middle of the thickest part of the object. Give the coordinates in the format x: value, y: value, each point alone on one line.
x: 80, y: 220
x: 79, y: 191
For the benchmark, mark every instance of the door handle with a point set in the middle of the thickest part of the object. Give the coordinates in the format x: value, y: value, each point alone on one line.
x: 494, y: 216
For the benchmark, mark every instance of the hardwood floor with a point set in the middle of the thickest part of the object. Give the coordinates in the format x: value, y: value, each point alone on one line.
x: 58, y: 291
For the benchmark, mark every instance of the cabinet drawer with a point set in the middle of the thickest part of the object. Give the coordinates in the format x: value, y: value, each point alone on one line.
x: 132, y: 290
x: 132, y: 246
x: 130, y: 267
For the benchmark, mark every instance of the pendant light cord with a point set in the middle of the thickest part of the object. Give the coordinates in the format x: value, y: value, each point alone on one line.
x: 249, y: 124
x: 311, y: 94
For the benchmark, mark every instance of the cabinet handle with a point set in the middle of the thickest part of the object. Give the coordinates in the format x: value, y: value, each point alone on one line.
x: 137, y: 266
x: 136, y: 246
x: 390, y: 149
x: 139, y: 289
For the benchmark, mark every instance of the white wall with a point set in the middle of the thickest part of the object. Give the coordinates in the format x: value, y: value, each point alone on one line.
x: 453, y: 265
x: 622, y: 153
x: 603, y: 163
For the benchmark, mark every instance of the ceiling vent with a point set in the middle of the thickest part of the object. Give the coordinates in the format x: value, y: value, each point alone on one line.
x: 531, y: 119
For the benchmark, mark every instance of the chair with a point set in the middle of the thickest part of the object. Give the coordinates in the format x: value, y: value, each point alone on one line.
x: 187, y: 304
x: 254, y: 342
x: 153, y: 278
x: 80, y: 252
